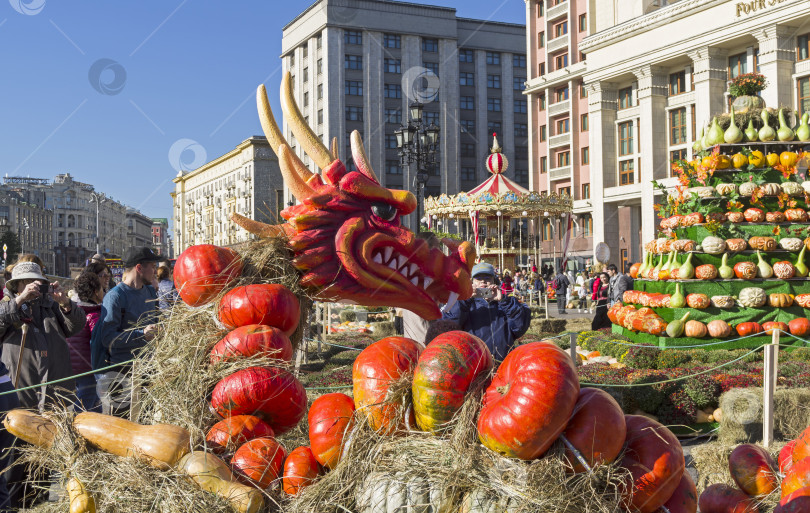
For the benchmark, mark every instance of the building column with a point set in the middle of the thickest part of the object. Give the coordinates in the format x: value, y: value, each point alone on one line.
x: 776, y: 57
x: 450, y: 174
x: 374, y: 104
x: 602, y: 106
x: 652, y: 140
x: 711, y: 77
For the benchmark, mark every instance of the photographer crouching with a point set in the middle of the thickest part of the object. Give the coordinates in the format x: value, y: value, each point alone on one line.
x: 496, y: 319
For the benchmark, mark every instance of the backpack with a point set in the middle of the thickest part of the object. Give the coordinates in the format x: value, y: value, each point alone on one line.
x: 99, y: 354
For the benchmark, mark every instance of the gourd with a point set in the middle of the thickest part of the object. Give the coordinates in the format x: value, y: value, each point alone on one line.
x: 213, y: 475
x: 713, y: 245
x: 725, y: 189
x: 401, y: 492
x: 31, y: 427
x: 202, y: 271
x: 657, y: 269
x: 722, y: 301
x: 697, y: 146
x: 675, y: 266
x: 784, y: 270
x: 706, y: 272
x: 766, y: 133
x: 718, y: 329
x: 695, y: 329
x: 677, y: 300
x: 715, y: 134
x: 686, y: 271
x: 704, y: 141
x: 771, y: 188
x: 764, y: 269
x: 784, y: 133
x: 161, y: 445
x: 645, y: 260
x: 663, y: 274
x: 725, y: 271
x: 791, y: 188
x: 803, y: 132
x: 676, y: 327
x: 80, y: 499
x: 801, y: 268
x: 733, y: 134
x: 791, y: 244
x: 780, y: 300
x: 752, y: 297
x: 747, y: 188
x: 762, y: 243
x: 751, y: 132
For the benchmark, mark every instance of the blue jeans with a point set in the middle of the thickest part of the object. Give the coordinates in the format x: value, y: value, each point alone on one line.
x: 7, y: 402
x: 86, y: 395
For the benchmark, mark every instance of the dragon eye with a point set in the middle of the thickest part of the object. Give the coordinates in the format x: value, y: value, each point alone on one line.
x: 384, y: 211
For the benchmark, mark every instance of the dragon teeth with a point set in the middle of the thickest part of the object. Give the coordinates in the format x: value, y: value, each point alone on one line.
x: 412, y: 270
x: 393, y: 266
x: 401, y: 261
x: 415, y: 281
x: 377, y: 258
x: 388, y: 251
x: 428, y: 281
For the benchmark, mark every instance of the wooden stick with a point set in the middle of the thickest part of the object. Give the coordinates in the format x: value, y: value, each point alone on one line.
x: 769, y: 385
x: 24, y: 328
x: 572, y: 337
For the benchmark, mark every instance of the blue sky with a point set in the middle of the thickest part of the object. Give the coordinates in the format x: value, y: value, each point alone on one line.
x: 107, y: 90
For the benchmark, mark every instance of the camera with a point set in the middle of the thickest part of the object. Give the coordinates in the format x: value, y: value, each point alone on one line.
x: 484, y: 293
x: 44, y: 288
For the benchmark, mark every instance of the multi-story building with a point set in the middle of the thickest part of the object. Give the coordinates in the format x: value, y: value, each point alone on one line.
x: 139, y: 229
x: 160, y: 236
x: 25, y: 213
x: 559, y: 149
x: 359, y: 65
x: 246, y: 180
x: 657, y: 72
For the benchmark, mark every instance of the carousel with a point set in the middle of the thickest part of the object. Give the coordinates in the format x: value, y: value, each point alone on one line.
x: 502, y: 218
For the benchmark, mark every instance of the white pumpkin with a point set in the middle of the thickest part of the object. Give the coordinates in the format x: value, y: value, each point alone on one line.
x: 752, y: 297
x: 479, y: 501
x: 713, y: 245
x: 791, y: 244
x: 771, y: 189
x: 725, y: 189
x: 806, y: 186
x: 723, y: 301
x: 383, y: 492
x: 791, y: 188
x: 747, y: 188
x: 702, y: 192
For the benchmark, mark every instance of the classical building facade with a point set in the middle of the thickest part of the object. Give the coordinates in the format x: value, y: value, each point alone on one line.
x: 160, y: 236
x: 246, y: 180
x: 359, y: 64
x: 25, y: 213
x: 139, y: 228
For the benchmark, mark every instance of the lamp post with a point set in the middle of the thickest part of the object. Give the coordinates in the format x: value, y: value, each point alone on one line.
x: 418, y: 143
x: 98, y: 199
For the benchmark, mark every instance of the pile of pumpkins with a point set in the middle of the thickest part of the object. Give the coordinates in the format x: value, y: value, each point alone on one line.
x: 757, y: 476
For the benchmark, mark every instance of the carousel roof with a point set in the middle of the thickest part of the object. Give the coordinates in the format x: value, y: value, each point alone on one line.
x: 499, y: 194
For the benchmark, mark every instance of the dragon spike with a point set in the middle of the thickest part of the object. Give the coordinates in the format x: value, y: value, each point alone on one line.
x: 360, y: 158
x: 335, y: 154
x: 273, y: 134
x: 293, y: 180
x: 257, y: 228
x: 312, y: 144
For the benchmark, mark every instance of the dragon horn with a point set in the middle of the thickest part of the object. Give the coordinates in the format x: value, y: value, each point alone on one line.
x: 360, y: 158
x: 335, y: 154
x: 312, y: 144
x: 293, y: 180
x: 257, y: 228
x: 273, y: 134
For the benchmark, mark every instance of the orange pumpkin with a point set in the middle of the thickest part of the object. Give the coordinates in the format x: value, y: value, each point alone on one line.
x: 259, y: 461
x: 695, y: 329
x: 692, y: 219
x: 745, y: 270
x: 706, y: 272
x: 799, y: 326
x: 769, y: 327
x: 775, y: 217
x: 634, y: 269
x: 753, y: 469
x: 748, y: 328
x: 594, y: 409
x: 795, y: 214
x: 718, y: 329
x: 735, y: 245
x: 613, y: 311
x: 699, y: 301
x: 762, y: 243
x: 784, y: 270
x: 798, y: 477
x: 780, y: 300
x: 754, y: 215
x: 735, y: 217
x: 300, y: 470
x: 330, y: 421
x: 803, y: 300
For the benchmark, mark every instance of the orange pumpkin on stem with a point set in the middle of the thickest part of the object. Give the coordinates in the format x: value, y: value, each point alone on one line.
x: 300, y: 470
x: 259, y: 461
x: 330, y: 420
x: 748, y: 328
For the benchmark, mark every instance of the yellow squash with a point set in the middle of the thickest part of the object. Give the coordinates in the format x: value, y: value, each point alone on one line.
x: 80, y: 499
x: 213, y: 475
x: 31, y: 427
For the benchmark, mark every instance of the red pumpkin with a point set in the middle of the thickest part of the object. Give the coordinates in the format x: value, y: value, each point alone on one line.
x: 795, y: 214
x: 754, y: 215
x: 718, y: 329
x: 748, y: 328
x: 234, y: 431
x: 803, y: 300
x: 446, y: 368
x: 529, y: 401
x: 801, y: 449
x: 655, y: 460
x: 250, y: 340
x: 786, y: 457
x: 697, y: 301
x: 706, y: 272
x: 796, y: 502
x: 634, y: 269
x: 375, y: 370
x: 722, y: 498
x: 797, y: 477
x: 745, y: 270
x: 685, y: 497
x: 300, y: 470
x: 799, y: 326
x: 775, y: 217
x: 753, y: 469
x: 784, y: 270
x: 330, y: 420
x: 594, y: 410
x: 735, y: 217
x: 259, y: 461
x: 203, y: 271
x: 270, y: 393
x: 269, y: 304
x: 768, y: 327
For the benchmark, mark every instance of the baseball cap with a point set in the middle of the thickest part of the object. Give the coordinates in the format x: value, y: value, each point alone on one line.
x: 483, y: 268
x: 139, y: 255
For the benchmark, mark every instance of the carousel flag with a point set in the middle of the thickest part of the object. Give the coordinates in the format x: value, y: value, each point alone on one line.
x: 474, y: 221
x: 569, y: 217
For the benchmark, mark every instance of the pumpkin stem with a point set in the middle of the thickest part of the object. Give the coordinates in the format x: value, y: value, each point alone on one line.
x: 503, y: 389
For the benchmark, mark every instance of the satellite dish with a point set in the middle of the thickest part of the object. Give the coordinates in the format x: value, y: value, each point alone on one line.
x: 602, y: 253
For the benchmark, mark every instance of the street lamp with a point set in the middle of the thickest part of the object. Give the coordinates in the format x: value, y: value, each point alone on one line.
x: 418, y: 143
x: 98, y: 199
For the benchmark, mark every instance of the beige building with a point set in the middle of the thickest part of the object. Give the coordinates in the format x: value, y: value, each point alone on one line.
x: 25, y: 213
x: 139, y: 228
x: 246, y: 180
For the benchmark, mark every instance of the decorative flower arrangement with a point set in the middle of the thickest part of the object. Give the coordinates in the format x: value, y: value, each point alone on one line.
x: 747, y: 84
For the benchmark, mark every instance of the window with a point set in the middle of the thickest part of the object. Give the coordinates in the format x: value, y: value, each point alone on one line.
x: 319, y: 41
x: 292, y: 59
x: 392, y: 41
x: 494, y: 104
x: 803, y: 95
x: 353, y: 37
x: 390, y: 141
x: 429, y: 118
x: 320, y: 116
x: 468, y: 174
x: 756, y: 60
x: 677, y: 126
x: 583, y: 91
x: 586, y: 191
x: 320, y: 91
x: 581, y: 56
x: 521, y: 106
x: 467, y: 149
x: 493, y: 127
x: 466, y: 78
x: 465, y: 56
x: 543, y: 165
x: 803, y: 47
x: 677, y: 83
x: 306, y: 74
x: 392, y: 65
x: 626, y: 138
x: 677, y: 155
x: 392, y: 91
x: 519, y: 83
x: 585, y: 156
x: 354, y: 113
x: 467, y: 103
x: 519, y: 61
x: 306, y: 99
x: 562, y: 126
x: 392, y: 167
x: 540, y: 8
x: 354, y: 88
x: 626, y: 172
x: 494, y: 81
x: 543, y: 133
x: 564, y: 190
x: 563, y: 158
x: 541, y: 101
x: 522, y: 176
x: 583, y: 22
x: 432, y: 66
x: 305, y: 50
x: 541, y: 69
x: 560, y: 61
x: 468, y: 126
x: 587, y: 223
x: 393, y: 116
x: 625, y: 97
x: 320, y: 66
x: 547, y: 230
x: 737, y: 65
x: 430, y: 45
x: 353, y: 62
x: 541, y: 39
x: 583, y: 123
x: 560, y: 29
x: 561, y: 94
x: 493, y: 58
x: 521, y: 130
x: 521, y: 152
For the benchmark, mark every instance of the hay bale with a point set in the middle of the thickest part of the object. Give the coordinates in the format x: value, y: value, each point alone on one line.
x: 743, y: 410
x: 548, y: 325
x: 383, y: 329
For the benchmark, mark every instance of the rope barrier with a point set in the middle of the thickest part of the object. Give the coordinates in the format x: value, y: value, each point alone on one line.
x: 719, y: 342
x: 60, y: 380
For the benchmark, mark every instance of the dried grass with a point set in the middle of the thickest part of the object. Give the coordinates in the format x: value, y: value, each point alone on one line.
x: 743, y: 410
x: 741, y: 120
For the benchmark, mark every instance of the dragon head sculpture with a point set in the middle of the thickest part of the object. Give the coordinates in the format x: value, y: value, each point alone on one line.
x: 346, y: 232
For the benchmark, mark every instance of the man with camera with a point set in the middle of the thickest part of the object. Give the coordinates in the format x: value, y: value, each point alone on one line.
x: 496, y: 319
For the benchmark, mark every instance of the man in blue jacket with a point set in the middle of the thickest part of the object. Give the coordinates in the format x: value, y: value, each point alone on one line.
x: 495, y: 319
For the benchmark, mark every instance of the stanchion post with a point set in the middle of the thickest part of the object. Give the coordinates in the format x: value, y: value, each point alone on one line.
x: 572, y: 337
x: 545, y: 298
x: 769, y: 372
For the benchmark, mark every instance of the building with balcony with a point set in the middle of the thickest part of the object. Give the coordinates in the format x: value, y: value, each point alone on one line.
x: 246, y: 180
x: 24, y: 212
x: 139, y: 229
x: 359, y: 64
